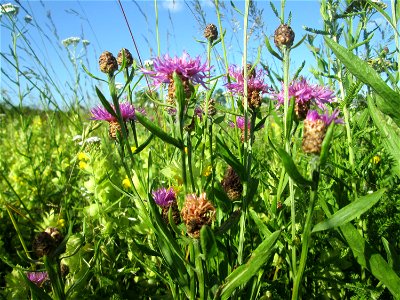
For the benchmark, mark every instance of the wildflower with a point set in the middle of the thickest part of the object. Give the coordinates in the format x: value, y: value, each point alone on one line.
x: 305, y: 94
x: 284, y: 36
x: 240, y: 123
x: 167, y: 200
x: 191, y: 71
x: 128, y: 57
x: 207, y: 171
x: 232, y: 185
x: 47, y: 241
x: 61, y: 222
x: 149, y: 64
x: 82, y: 156
x: 315, y: 126
x: 126, y: 183
x: 71, y: 41
x: 77, y: 138
x: 376, y: 159
x: 127, y: 113
x: 164, y: 197
x: 255, y: 85
x: 9, y: 9
x: 93, y: 140
x: 211, y: 32
x: 37, y: 278
x: 85, y: 43
x: 211, y: 110
x: 133, y: 149
x: 82, y: 165
x: 107, y: 62
x: 197, y: 212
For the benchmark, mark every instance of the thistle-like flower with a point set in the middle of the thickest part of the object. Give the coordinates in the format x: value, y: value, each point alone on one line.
x: 211, y: 32
x: 305, y: 94
x: 37, y: 278
x: 197, y: 212
x: 255, y: 85
x: 166, y: 198
x: 191, y: 71
x: 240, y: 123
x: 315, y: 126
x: 128, y: 57
x: 284, y: 36
x: 47, y: 241
x: 127, y: 113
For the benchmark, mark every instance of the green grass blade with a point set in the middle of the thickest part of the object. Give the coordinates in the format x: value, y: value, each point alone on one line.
x: 350, y: 212
x: 245, y: 272
x: 390, y: 100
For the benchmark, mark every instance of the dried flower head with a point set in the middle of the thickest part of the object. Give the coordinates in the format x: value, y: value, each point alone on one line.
x: 211, y: 32
x: 315, y: 126
x: 107, y: 62
x: 284, y: 36
x: 197, y: 212
x: 128, y: 57
x: 209, y: 107
x: 255, y: 85
x: 232, y: 185
x: 43, y: 244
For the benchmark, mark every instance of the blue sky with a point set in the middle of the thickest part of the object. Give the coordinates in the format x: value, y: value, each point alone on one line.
x: 180, y: 26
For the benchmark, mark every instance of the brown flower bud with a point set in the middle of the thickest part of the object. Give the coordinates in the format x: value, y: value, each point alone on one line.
x: 43, y: 244
x: 313, y: 135
x: 211, y: 32
x: 128, y: 57
x: 107, y: 62
x: 232, y: 185
x: 284, y: 36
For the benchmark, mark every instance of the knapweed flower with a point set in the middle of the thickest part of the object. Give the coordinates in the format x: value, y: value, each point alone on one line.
x: 100, y: 113
x: 211, y: 32
x: 255, y: 85
x: 197, y: 212
x: 305, y: 94
x: 284, y: 36
x: 315, y: 126
x: 37, y: 278
x: 191, y: 71
x: 240, y: 123
x: 231, y: 184
x: 108, y: 63
x: 166, y: 198
x: 128, y: 57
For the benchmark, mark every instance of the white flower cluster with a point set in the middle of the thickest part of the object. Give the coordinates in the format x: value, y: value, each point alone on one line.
x: 9, y: 8
x: 71, y: 41
x: 89, y: 140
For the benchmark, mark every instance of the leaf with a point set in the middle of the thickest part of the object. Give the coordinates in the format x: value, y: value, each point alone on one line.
x: 390, y: 100
x: 157, y: 131
x: 370, y: 259
x: 208, y: 243
x: 325, y: 145
x: 245, y: 272
x: 272, y: 51
x: 390, y: 138
x: 350, y: 211
x: 231, y: 159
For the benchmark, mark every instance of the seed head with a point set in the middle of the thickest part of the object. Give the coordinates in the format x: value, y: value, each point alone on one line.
x: 232, y: 184
x: 284, y: 36
x: 211, y: 32
x: 107, y: 62
x: 128, y: 57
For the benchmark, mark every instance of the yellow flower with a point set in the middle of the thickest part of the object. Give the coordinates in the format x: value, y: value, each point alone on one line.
x: 82, y: 165
x: 207, y: 171
x: 376, y: 159
x: 186, y: 150
x: 83, y: 156
x: 133, y: 149
x: 126, y: 183
x: 61, y: 223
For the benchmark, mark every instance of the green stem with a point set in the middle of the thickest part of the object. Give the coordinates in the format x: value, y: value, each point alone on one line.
x: 199, y: 269
x: 157, y: 33
x: 306, y: 237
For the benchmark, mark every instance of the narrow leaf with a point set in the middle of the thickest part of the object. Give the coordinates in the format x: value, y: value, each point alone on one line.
x: 350, y: 211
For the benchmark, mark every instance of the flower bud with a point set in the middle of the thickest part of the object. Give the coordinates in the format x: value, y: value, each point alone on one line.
x: 284, y: 36
x: 107, y: 62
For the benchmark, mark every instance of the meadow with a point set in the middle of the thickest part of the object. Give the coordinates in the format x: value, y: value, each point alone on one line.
x: 193, y: 177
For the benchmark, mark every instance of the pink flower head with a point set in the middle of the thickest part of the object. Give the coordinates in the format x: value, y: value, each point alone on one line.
x: 240, y: 123
x: 313, y: 115
x: 184, y: 66
x: 164, y: 197
x: 37, y: 277
x: 254, y: 83
x: 100, y: 113
x: 304, y: 92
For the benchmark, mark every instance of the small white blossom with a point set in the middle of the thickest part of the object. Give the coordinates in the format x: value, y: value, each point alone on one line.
x: 71, y: 41
x: 9, y: 8
x: 77, y: 137
x: 85, y: 42
x: 148, y: 64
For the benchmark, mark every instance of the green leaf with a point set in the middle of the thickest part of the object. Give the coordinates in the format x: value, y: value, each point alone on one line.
x: 370, y: 259
x: 350, y: 211
x: 245, y: 272
x: 157, y: 131
x: 390, y: 137
x: 272, y: 51
x: 231, y: 159
x: 105, y: 103
x: 390, y: 100
x: 208, y: 243
x: 325, y: 145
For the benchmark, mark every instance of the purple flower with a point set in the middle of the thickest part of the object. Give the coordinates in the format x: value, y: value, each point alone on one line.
x: 254, y: 83
x: 305, y: 92
x: 186, y: 67
x: 37, y: 277
x: 100, y: 113
x: 313, y: 115
x: 164, y: 197
x: 240, y: 123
